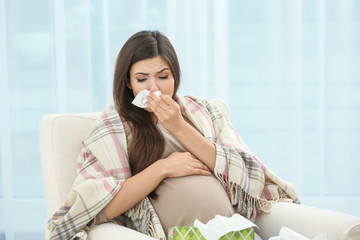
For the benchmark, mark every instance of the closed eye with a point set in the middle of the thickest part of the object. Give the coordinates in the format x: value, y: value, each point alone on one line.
x: 141, y: 80
x: 164, y: 77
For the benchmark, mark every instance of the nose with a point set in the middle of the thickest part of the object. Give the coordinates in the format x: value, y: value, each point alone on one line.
x: 153, y: 86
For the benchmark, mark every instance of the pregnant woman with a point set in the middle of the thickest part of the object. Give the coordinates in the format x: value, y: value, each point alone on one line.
x: 166, y: 164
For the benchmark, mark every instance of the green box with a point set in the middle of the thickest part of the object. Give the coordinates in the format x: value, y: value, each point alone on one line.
x: 193, y: 233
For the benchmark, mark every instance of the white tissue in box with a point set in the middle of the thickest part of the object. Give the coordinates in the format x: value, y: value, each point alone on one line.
x: 141, y: 98
x: 219, y: 226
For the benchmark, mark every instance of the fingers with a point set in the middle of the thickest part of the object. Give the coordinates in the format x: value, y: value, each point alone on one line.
x: 163, y: 101
x: 164, y: 107
x: 202, y: 172
x: 168, y: 100
x: 201, y: 169
x: 185, y: 164
x: 156, y: 104
x: 198, y: 167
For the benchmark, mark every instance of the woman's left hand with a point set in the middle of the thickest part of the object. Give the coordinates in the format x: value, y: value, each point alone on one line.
x: 167, y: 111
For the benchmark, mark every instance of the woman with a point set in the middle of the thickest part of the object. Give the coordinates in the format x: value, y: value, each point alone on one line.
x: 166, y: 165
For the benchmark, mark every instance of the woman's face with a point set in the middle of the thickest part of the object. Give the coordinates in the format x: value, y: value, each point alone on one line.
x: 153, y: 74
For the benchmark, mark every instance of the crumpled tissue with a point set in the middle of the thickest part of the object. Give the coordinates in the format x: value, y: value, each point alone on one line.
x: 288, y: 234
x: 220, y: 225
x: 141, y: 98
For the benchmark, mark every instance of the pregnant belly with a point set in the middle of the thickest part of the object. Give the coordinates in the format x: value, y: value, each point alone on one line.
x: 182, y: 200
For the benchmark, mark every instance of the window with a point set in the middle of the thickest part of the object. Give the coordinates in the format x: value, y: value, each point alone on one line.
x: 288, y: 72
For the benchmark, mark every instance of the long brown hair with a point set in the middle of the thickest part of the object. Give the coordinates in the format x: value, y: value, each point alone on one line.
x: 147, y: 144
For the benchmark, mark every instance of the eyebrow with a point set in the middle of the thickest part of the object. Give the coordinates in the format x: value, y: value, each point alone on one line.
x: 141, y: 73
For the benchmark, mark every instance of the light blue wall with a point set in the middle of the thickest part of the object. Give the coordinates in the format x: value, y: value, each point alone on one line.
x: 288, y: 70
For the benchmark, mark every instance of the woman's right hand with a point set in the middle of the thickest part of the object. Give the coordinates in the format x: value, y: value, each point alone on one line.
x: 180, y: 164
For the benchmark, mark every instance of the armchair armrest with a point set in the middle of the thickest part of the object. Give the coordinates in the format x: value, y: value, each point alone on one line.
x: 308, y: 221
x: 112, y: 231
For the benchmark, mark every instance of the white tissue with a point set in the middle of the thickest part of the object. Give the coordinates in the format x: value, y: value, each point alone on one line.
x: 141, y: 98
x: 219, y: 226
x: 288, y: 234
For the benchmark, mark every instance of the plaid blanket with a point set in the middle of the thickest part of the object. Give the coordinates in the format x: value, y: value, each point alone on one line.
x: 102, y: 167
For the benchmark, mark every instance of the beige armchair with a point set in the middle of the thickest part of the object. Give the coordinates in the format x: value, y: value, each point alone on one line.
x: 60, y: 144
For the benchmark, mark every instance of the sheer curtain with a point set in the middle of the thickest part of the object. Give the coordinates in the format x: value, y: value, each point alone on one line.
x: 288, y: 70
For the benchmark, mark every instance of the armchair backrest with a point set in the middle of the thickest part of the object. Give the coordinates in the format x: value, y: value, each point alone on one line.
x: 60, y: 144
